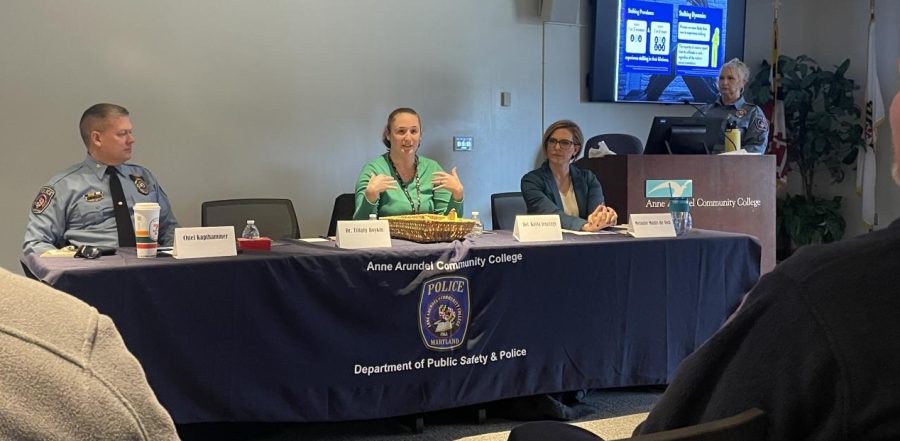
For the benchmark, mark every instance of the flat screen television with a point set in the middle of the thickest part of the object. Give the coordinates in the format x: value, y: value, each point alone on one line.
x: 685, y: 135
x: 663, y: 51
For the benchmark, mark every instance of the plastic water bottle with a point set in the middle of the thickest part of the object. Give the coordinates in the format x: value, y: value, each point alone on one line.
x: 478, y: 228
x: 250, y: 231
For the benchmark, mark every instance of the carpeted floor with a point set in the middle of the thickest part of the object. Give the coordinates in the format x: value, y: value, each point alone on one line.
x: 612, y: 414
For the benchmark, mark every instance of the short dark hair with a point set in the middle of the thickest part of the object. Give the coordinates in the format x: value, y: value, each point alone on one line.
x: 95, y: 116
x: 387, y: 127
x: 564, y: 124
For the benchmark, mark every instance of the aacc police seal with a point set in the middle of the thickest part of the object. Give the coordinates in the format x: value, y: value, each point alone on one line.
x: 444, y: 312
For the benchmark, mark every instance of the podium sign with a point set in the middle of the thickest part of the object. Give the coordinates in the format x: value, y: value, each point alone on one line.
x: 726, y: 192
x: 650, y: 225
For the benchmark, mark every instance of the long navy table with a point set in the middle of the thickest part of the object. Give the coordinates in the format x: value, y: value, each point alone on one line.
x: 310, y: 332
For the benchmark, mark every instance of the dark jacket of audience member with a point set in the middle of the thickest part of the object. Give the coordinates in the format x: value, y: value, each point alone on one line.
x: 816, y: 345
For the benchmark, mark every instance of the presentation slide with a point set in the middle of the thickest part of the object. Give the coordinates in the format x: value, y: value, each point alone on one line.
x: 670, y: 50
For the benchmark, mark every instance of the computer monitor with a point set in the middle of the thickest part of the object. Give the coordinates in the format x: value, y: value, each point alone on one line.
x: 679, y: 135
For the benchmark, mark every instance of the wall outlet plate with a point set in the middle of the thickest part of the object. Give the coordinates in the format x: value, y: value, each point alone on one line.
x: 463, y: 143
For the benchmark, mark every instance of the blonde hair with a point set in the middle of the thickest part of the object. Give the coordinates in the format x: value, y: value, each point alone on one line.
x: 738, y: 67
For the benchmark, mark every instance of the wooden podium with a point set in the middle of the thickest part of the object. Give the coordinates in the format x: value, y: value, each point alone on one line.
x: 729, y: 192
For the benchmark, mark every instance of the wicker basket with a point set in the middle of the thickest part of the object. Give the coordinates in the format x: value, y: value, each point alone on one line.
x: 425, y: 228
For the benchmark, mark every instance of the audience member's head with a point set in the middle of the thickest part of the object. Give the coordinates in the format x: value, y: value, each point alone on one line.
x: 895, y: 132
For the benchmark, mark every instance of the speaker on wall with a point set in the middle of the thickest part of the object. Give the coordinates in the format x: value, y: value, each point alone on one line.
x: 560, y: 11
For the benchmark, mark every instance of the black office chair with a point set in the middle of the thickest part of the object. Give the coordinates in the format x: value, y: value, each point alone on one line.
x: 749, y: 425
x: 505, y: 207
x: 275, y: 218
x: 343, y: 210
x: 620, y: 143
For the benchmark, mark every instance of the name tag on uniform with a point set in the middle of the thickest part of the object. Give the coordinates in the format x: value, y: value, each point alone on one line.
x: 191, y: 243
x: 651, y: 225
x: 537, y: 228
x: 93, y: 196
x: 363, y: 234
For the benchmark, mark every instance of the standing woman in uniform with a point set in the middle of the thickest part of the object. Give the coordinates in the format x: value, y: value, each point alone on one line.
x: 731, y: 106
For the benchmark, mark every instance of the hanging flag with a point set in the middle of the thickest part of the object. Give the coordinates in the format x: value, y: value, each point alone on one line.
x: 774, y: 109
x: 865, y: 163
x: 778, y: 143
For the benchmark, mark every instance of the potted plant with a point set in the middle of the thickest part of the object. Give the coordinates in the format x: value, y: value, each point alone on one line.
x: 823, y: 134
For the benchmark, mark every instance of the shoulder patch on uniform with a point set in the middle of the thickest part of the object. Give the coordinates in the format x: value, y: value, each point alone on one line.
x: 140, y: 184
x: 762, y: 124
x: 42, y: 200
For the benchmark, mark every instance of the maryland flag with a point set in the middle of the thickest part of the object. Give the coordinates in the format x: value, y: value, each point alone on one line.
x: 865, y: 163
x: 778, y: 140
x: 774, y: 109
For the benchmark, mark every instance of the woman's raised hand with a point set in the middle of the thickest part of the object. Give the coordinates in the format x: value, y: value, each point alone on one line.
x: 377, y: 184
x: 448, y: 181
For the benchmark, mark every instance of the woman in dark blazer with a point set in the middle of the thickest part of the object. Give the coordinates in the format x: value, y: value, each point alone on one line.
x: 558, y: 187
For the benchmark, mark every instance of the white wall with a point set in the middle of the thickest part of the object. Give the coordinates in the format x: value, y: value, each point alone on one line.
x: 281, y: 98
x: 287, y: 98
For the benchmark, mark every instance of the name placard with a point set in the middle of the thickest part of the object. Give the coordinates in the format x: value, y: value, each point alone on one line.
x: 537, y: 228
x: 651, y: 225
x: 363, y: 234
x: 191, y: 243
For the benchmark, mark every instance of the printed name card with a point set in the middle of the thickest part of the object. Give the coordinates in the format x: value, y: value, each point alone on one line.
x: 651, y: 225
x: 191, y: 243
x: 537, y: 228
x: 363, y: 234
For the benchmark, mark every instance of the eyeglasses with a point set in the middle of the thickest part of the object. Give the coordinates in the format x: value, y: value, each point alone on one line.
x: 562, y: 143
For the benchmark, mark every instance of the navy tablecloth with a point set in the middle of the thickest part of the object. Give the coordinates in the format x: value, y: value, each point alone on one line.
x: 310, y: 332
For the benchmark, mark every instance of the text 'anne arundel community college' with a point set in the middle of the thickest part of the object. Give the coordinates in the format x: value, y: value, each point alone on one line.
x: 440, y: 265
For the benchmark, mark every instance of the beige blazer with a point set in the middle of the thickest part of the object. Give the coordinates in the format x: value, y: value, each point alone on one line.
x: 65, y: 373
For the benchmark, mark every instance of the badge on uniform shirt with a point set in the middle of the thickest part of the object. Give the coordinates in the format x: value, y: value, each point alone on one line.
x: 740, y: 113
x: 42, y: 200
x: 140, y: 183
x: 93, y: 196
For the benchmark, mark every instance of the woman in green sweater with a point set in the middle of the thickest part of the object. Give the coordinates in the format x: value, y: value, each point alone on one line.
x: 402, y: 182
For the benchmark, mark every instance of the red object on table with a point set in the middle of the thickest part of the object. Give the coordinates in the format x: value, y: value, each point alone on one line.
x: 263, y: 243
